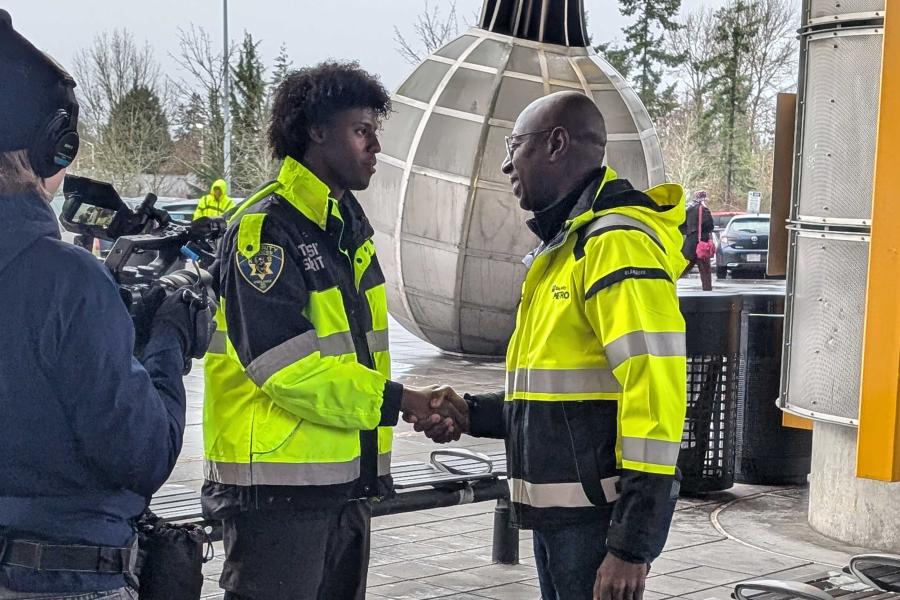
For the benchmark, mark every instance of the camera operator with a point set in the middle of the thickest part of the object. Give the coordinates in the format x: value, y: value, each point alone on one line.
x: 87, y: 432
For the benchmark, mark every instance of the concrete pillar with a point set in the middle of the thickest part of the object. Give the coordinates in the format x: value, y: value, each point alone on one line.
x: 861, y: 512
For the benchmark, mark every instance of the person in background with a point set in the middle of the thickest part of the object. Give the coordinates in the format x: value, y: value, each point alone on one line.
x: 698, y: 227
x: 216, y: 203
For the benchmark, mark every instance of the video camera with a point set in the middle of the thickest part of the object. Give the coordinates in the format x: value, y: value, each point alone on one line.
x: 149, y: 246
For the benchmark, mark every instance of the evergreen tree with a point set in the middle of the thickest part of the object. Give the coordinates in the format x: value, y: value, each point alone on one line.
x: 283, y: 67
x: 138, y: 131
x: 618, y: 57
x: 725, y: 121
x: 249, y: 109
x: 646, y: 53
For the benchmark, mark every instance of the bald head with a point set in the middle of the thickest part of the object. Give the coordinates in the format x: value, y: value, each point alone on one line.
x: 573, y: 111
x: 556, y: 143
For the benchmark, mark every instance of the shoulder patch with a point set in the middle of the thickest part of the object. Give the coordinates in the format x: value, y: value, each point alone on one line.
x: 262, y: 269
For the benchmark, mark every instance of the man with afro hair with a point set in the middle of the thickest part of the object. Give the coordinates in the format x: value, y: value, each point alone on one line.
x: 299, y: 403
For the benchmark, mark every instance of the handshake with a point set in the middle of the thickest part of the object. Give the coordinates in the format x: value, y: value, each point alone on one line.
x: 437, y: 411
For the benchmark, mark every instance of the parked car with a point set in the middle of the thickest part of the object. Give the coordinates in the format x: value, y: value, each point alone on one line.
x: 743, y: 245
x: 180, y: 210
x: 721, y: 218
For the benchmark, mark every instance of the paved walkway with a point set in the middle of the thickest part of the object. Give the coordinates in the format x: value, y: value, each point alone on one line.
x: 716, y: 541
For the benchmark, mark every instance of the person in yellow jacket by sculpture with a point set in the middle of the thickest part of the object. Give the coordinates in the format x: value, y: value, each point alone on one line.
x: 595, y: 398
x: 216, y: 203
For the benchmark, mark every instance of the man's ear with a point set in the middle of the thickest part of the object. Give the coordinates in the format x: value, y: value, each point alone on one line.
x: 318, y: 134
x: 558, y: 143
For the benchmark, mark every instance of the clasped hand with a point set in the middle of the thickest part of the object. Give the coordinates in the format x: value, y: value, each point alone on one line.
x: 437, y: 411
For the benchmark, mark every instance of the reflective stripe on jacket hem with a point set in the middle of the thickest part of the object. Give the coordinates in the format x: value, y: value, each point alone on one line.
x: 558, y: 495
x: 561, y: 381
x: 270, y: 473
x: 638, y: 343
x: 287, y: 353
x: 384, y: 464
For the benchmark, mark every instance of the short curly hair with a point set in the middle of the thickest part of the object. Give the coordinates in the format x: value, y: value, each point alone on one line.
x: 313, y: 95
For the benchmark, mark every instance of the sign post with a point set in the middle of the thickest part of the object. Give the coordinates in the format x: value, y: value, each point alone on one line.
x: 754, y: 199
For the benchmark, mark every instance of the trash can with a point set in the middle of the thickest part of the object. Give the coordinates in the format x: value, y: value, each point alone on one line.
x: 713, y: 326
x: 766, y: 451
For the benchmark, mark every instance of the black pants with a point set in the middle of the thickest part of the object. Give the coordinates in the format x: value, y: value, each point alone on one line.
x: 297, y: 554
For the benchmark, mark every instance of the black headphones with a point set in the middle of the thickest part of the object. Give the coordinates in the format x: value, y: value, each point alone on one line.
x: 56, y: 143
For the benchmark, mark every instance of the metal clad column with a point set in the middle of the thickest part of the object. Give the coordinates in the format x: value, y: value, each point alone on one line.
x: 878, y: 452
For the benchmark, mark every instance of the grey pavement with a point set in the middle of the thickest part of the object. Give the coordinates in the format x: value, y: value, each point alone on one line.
x: 715, y: 541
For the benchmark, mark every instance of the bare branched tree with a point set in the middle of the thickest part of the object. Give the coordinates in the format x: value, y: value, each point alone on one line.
x: 694, y: 40
x: 772, y: 60
x: 432, y: 30
x: 680, y: 135
x: 125, y: 105
x: 108, y: 70
x: 200, y: 122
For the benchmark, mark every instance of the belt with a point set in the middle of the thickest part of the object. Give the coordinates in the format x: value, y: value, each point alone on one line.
x: 51, y: 557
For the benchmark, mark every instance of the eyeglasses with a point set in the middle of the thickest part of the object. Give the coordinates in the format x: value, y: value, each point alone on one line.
x: 511, y: 138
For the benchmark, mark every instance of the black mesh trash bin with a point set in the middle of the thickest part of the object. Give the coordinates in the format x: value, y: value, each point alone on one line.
x: 712, y: 323
x: 767, y: 452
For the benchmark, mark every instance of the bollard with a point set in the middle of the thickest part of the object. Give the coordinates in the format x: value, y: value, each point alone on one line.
x: 506, y: 537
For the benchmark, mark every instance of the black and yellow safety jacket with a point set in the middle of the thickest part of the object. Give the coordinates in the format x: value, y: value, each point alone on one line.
x: 298, y: 401
x: 210, y: 206
x: 595, y: 398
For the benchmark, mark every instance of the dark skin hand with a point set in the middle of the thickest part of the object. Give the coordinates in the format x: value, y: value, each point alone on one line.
x: 442, y: 428
x: 436, y: 409
x: 620, y: 580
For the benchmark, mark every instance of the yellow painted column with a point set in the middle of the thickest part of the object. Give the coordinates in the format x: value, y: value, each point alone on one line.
x: 878, y: 455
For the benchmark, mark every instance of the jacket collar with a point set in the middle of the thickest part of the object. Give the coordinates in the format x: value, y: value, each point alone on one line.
x: 309, y: 195
x: 304, y: 191
x: 547, y: 223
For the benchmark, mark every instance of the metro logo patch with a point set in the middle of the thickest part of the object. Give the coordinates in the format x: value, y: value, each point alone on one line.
x: 264, y: 268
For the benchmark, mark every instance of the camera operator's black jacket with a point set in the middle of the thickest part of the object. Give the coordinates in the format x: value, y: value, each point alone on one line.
x: 87, y: 434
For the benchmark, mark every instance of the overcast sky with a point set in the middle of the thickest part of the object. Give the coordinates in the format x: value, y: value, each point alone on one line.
x: 312, y: 30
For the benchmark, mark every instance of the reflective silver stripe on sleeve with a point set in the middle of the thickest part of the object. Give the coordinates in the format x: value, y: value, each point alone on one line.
x: 558, y: 495
x: 638, y: 343
x: 654, y: 452
x: 562, y: 381
x: 384, y: 464
x: 260, y: 473
x: 616, y: 220
x: 217, y: 343
x: 289, y: 352
x: 378, y: 341
x: 282, y: 355
x: 337, y: 344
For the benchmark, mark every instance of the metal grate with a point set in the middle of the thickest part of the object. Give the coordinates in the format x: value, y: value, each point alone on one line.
x: 820, y: 9
x: 826, y: 324
x: 706, y: 460
x: 840, y: 125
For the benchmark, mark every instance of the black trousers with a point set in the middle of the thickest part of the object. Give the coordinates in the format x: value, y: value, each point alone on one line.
x: 297, y: 554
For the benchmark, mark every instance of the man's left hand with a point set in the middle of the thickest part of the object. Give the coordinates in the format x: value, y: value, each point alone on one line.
x: 620, y: 580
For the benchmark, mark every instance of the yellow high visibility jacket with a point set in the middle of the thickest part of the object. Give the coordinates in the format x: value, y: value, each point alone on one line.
x: 595, y: 396
x: 209, y: 206
x: 298, y: 397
